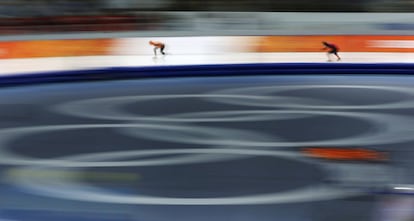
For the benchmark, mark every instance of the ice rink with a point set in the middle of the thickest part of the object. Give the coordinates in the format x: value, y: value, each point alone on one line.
x: 228, y: 148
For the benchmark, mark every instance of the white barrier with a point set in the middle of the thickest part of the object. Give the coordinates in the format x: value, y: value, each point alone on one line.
x: 38, y: 65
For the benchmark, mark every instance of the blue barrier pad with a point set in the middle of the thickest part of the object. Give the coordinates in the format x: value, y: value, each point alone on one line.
x: 118, y: 73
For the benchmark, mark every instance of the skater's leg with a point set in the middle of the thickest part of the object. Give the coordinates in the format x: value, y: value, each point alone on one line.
x: 329, y: 56
x: 162, y: 50
x: 337, y: 56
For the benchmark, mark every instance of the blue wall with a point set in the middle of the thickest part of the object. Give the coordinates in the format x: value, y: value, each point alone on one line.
x: 117, y: 73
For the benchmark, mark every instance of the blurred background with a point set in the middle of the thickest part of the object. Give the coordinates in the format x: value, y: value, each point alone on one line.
x: 39, y: 16
x: 28, y: 8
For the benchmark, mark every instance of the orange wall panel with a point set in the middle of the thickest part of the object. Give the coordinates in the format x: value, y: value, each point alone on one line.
x: 346, y: 43
x: 55, y: 48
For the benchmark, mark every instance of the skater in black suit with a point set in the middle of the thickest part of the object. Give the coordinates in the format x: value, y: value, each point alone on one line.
x: 332, y: 49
